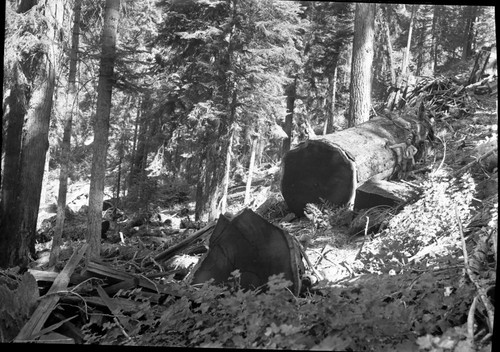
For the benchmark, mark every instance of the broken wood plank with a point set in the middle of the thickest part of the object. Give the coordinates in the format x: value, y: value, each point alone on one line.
x: 170, y: 252
x: 115, y: 309
x: 49, y: 301
x: 126, y: 279
x: 126, y: 305
x: 50, y: 276
x: 381, y: 192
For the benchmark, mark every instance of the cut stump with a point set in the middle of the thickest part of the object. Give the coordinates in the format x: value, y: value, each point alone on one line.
x: 253, y: 246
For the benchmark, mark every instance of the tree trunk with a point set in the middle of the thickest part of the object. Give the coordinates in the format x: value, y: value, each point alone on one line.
x: 18, y: 226
x: 137, y: 175
x: 45, y: 181
x: 403, y: 79
x: 10, y: 252
x: 250, y: 170
x: 101, y: 128
x: 66, y: 142
x: 390, y: 55
x: 435, y: 36
x: 331, y: 167
x: 218, y: 144
x: 406, y: 57
x: 290, y: 91
x: 225, y: 184
x: 130, y: 178
x: 471, y: 13
x: 362, y: 59
x: 330, y: 103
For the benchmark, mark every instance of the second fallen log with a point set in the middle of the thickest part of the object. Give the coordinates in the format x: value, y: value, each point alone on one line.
x: 255, y: 247
x: 332, y: 167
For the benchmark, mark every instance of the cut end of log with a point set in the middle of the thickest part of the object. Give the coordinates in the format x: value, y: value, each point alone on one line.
x: 317, y: 170
x: 332, y: 166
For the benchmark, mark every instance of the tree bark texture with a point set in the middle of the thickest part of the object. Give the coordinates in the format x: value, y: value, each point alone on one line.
x: 225, y: 184
x: 361, y: 66
x: 290, y: 91
x: 11, y: 187
x: 470, y: 17
x: 251, y: 167
x: 402, y: 80
x: 330, y: 103
x: 18, y: 229
x: 390, y: 54
x: 66, y: 141
x: 435, y: 37
x: 101, y: 127
x: 331, y: 167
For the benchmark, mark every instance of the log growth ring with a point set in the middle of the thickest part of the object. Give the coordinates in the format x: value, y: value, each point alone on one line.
x: 317, y: 170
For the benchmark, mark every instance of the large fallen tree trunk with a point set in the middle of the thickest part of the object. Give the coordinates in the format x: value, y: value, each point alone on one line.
x: 331, y: 167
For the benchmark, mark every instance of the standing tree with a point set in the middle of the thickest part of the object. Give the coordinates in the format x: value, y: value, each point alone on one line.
x: 31, y: 50
x: 101, y: 127
x: 470, y: 14
x: 66, y: 141
x: 290, y: 92
x: 362, y: 57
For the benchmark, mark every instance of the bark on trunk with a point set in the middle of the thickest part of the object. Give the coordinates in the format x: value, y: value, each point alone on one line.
x: 362, y: 59
x: 66, y: 142
x: 403, y: 79
x: 471, y: 13
x: 330, y: 103
x: 390, y: 54
x: 290, y: 106
x: 250, y: 170
x: 11, y: 187
x: 331, y: 167
x: 225, y: 184
x: 435, y: 36
x: 101, y: 128
x: 18, y: 225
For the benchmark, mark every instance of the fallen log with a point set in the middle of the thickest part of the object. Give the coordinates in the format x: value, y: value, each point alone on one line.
x: 333, y: 166
x: 255, y: 247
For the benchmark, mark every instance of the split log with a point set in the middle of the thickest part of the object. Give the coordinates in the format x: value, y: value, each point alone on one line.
x: 255, y: 247
x: 379, y: 192
x: 333, y: 166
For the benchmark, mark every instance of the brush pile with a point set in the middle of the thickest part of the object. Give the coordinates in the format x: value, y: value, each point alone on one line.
x: 443, y: 97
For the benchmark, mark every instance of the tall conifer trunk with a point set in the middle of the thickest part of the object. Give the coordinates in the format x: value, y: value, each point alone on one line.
x: 101, y: 127
x: 66, y: 142
x: 25, y: 170
x: 361, y: 67
x: 290, y: 92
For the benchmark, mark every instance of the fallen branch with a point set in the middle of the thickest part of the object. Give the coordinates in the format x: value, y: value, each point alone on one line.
x: 482, y: 292
x: 170, y: 252
x: 115, y: 310
x: 470, y: 321
x: 364, y: 238
x: 484, y: 156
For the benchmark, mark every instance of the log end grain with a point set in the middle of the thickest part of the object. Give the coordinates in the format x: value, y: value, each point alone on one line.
x: 317, y: 170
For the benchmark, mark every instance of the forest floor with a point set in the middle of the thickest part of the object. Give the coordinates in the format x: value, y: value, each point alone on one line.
x: 416, y: 257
